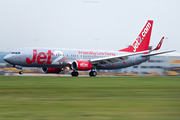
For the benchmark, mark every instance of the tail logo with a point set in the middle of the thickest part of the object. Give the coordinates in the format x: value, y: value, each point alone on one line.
x: 146, y: 29
x: 137, y: 43
x: 138, y: 39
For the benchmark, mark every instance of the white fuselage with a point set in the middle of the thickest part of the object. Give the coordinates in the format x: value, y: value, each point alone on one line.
x: 58, y: 58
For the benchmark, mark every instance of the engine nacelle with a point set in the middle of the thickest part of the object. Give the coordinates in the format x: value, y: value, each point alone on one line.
x: 51, y: 70
x: 81, y: 65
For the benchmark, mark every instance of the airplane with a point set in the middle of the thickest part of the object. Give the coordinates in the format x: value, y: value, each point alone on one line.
x: 54, y: 60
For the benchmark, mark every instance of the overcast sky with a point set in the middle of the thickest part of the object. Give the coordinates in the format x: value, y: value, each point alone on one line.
x: 87, y: 24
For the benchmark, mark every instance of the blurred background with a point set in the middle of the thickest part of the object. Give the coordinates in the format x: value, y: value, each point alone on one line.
x: 91, y: 24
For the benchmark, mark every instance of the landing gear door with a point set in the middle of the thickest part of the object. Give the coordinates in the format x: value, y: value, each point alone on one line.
x: 133, y: 59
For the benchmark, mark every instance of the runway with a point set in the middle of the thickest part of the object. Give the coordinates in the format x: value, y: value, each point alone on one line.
x: 39, y: 74
x: 60, y: 75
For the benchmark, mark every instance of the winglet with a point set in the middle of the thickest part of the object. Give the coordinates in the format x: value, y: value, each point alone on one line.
x: 159, y: 45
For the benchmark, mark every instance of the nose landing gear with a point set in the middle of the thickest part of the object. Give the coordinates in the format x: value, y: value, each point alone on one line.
x: 19, y: 68
x: 21, y: 72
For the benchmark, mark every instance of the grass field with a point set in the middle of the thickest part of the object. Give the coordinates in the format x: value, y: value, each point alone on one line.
x: 85, y: 98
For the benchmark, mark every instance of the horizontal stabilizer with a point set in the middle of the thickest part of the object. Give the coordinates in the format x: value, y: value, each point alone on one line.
x: 152, y: 54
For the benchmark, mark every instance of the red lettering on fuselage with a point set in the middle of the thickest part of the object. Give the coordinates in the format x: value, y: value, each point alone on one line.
x: 96, y: 53
x: 49, y: 57
x: 41, y: 57
x: 33, y: 59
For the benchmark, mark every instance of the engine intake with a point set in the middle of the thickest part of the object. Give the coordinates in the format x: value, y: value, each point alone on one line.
x: 51, y: 70
x: 81, y: 65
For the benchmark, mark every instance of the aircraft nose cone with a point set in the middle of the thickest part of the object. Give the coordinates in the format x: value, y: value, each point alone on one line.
x: 7, y: 58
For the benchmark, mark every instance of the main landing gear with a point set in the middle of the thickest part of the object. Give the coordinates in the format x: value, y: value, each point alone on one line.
x: 74, y: 73
x: 92, y: 73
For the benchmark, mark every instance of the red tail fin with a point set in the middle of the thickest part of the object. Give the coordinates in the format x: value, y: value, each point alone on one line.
x: 142, y: 41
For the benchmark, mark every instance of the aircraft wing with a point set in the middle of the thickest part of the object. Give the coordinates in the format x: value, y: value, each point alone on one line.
x: 156, y: 53
x: 112, y: 59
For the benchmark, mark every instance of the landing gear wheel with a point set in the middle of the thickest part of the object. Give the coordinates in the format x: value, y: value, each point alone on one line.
x: 74, y: 74
x: 92, y: 73
x: 20, y: 72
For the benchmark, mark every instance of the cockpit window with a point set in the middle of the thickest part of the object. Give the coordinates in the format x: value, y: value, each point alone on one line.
x: 15, y: 52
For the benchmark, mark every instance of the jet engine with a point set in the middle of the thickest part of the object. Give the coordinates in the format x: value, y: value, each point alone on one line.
x: 51, y: 70
x: 81, y: 65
